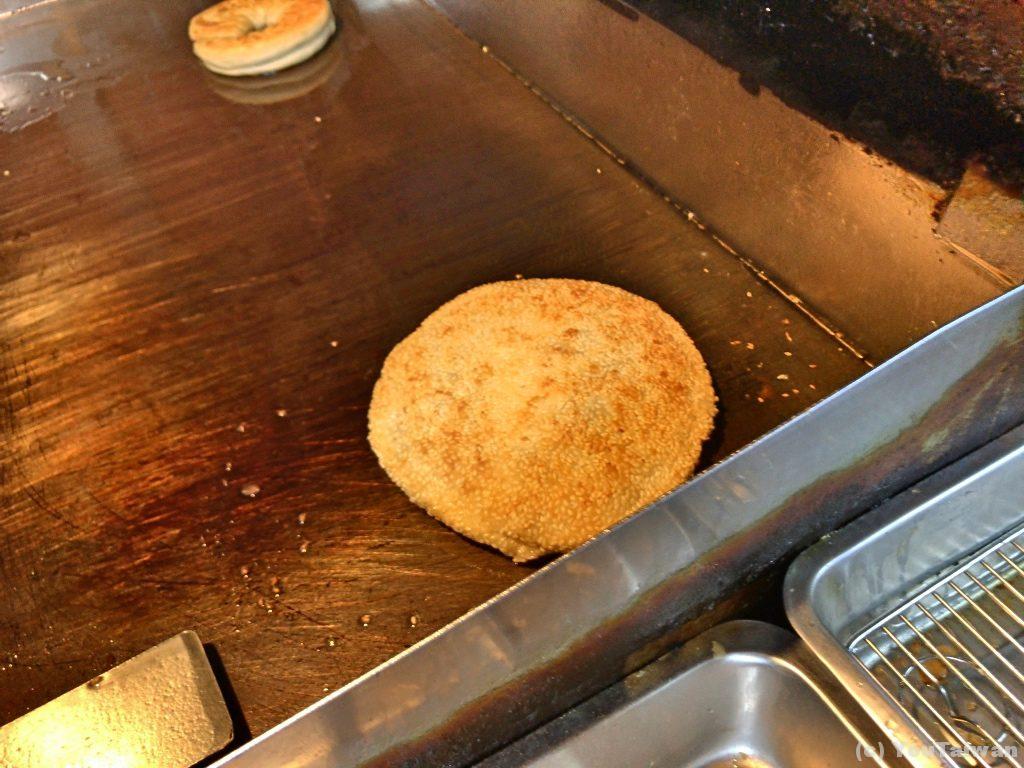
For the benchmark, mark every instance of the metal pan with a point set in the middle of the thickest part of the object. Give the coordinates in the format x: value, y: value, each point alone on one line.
x: 917, y: 609
x: 745, y: 693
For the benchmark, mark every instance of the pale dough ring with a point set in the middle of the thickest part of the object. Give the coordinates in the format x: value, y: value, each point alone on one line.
x: 242, y: 37
x: 531, y: 415
x: 290, y: 59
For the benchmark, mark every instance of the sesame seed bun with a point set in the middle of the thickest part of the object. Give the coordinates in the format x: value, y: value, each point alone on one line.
x: 251, y: 37
x: 531, y: 415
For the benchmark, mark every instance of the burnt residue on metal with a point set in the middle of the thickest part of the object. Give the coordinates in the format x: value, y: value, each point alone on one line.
x: 622, y: 9
x: 985, y: 220
x: 926, y: 84
x: 979, y: 42
x: 980, y: 406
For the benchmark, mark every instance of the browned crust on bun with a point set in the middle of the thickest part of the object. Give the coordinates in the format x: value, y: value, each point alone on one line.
x: 531, y: 415
x: 236, y: 34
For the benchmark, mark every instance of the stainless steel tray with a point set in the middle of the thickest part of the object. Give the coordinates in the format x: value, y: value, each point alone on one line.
x: 745, y: 693
x: 917, y: 608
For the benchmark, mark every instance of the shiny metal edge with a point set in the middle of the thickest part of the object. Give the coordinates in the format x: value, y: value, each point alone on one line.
x: 828, y: 621
x: 740, y: 640
x: 846, y: 232
x: 621, y: 600
x: 161, y: 708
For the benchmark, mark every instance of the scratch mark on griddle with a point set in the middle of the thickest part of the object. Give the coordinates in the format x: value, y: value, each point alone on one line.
x: 286, y: 605
x: 47, y: 664
x: 40, y: 501
x: 248, y: 283
x: 175, y: 582
x: 337, y: 441
x: 106, y: 507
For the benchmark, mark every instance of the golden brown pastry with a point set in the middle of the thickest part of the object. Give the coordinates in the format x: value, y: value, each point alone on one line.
x: 531, y: 415
x: 251, y: 37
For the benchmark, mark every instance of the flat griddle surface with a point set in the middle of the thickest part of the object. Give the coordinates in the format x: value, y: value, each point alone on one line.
x: 191, y: 282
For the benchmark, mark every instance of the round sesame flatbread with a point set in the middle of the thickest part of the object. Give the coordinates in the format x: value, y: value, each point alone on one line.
x: 531, y: 415
x: 255, y: 37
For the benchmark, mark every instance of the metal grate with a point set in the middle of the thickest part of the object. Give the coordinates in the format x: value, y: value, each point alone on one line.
x: 952, y: 658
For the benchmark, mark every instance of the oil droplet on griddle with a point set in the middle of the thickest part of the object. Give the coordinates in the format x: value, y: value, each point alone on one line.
x: 303, y: 547
x: 365, y: 619
x: 302, y: 518
x: 29, y: 97
x: 250, y: 490
x: 281, y: 413
x: 244, y: 571
x: 276, y: 586
x: 332, y: 642
x: 414, y: 620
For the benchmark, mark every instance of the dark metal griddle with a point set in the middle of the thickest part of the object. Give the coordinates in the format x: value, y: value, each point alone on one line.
x: 195, y: 276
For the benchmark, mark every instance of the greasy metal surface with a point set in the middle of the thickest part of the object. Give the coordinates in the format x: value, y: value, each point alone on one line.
x: 161, y: 709
x: 513, y: 663
x: 851, y: 589
x: 929, y: 85
x: 743, y: 693
x: 199, y: 283
x: 847, y: 231
x: 980, y: 42
x: 986, y: 220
